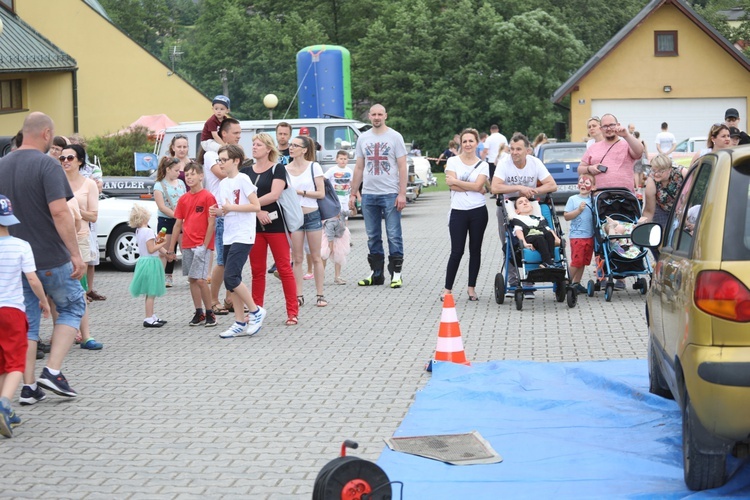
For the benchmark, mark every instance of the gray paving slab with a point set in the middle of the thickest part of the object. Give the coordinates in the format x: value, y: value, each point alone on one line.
x: 180, y: 413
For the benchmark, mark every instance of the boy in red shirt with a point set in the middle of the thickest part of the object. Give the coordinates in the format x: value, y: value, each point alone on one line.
x: 197, y: 225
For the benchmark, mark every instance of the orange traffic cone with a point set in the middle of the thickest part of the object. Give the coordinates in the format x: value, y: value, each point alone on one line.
x: 450, y: 347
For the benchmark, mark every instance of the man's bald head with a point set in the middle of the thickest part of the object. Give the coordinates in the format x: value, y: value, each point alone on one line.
x: 38, y: 131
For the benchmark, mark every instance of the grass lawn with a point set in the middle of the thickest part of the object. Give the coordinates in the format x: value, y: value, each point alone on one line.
x: 442, y: 186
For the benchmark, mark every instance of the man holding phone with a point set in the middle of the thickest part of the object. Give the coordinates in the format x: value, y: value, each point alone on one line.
x: 611, y: 160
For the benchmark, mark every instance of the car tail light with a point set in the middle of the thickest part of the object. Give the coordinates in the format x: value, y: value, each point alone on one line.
x: 719, y: 293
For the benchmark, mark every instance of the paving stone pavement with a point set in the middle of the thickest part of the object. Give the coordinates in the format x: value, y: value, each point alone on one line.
x: 180, y: 413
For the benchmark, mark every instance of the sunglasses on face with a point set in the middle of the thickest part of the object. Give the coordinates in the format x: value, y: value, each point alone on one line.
x: 68, y: 158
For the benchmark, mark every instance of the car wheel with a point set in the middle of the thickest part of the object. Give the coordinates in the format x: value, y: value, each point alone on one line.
x: 122, y: 248
x: 702, y: 470
x: 656, y: 383
x: 519, y: 299
x: 499, y: 288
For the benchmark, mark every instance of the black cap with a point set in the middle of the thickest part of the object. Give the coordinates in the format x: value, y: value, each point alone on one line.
x: 731, y: 113
x: 734, y: 132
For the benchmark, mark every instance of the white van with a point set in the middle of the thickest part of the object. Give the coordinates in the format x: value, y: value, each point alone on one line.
x: 333, y: 134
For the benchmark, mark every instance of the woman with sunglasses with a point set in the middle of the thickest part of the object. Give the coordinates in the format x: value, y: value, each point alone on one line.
x: 594, y: 127
x: 86, y: 193
x: 306, y: 177
x: 167, y: 191
x: 718, y: 138
x: 269, y: 176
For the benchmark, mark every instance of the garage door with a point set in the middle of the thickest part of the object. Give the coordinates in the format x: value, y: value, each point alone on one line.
x: 686, y: 117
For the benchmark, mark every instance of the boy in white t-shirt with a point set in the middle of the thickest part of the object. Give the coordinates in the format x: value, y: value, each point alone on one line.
x: 335, y: 229
x: 16, y: 259
x: 239, y: 203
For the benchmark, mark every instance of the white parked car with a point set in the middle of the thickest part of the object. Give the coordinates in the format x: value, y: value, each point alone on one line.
x: 116, y: 239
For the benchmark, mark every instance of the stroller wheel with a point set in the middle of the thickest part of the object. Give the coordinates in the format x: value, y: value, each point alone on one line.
x: 609, y: 291
x: 560, y: 290
x: 642, y: 285
x: 519, y: 299
x: 499, y: 288
x: 590, y: 288
x: 572, y: 296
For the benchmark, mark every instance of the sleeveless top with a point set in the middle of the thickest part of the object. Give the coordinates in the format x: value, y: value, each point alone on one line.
x: 665, y: 195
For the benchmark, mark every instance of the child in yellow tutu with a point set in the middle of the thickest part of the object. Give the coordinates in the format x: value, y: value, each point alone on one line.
x: 148, y: 278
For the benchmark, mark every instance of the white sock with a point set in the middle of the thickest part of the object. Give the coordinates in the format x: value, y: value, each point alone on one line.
x: 396, y: 277
x: 33, y: 386
x: 52, y: 372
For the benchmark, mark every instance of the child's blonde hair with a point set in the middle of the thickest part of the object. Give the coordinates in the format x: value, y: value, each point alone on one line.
x: 139, y: 216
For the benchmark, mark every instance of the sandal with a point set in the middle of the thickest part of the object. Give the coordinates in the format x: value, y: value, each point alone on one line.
x: 291, y: 321
x: 320, y: 301
x: 95, y: 295
x: 339, y: 281
x: 300, y: 300
x: 219, y: 309
x: 442, y: 294
x: 228, y: 306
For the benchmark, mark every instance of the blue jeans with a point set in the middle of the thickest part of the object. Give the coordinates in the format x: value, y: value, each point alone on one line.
x: 65, y: 292
x: 376, y: 207
x: 219, y: 241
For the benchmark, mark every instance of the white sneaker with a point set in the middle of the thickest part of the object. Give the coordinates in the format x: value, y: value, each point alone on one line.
x: 255, y: 321
x: 236, y: 330
x: 168, y: 281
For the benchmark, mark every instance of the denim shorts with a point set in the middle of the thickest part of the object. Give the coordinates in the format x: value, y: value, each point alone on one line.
x: 312, y: 222
x: 219, y: 241
x: 167, y: 222
x: 65, y: 292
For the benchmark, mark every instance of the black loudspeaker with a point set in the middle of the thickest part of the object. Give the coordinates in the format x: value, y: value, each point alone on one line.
x: 559, y: 131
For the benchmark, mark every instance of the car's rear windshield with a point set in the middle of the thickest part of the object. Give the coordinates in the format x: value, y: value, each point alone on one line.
x: 563, y: 155
x: 737, y: 226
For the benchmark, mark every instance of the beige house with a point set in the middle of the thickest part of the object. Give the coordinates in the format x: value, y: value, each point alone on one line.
x: 666, y: 65
x: 66, y: 58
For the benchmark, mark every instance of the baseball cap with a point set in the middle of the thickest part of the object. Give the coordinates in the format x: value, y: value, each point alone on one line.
x: 221, y: 99
x: 731, y: 113
x: 734, y: 132
x: 6, y: 213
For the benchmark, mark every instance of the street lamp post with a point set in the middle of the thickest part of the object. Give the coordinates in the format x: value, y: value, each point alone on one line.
x: 270, y: 101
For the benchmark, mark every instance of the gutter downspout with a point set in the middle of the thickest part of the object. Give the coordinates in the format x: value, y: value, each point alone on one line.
x: 74, y: 73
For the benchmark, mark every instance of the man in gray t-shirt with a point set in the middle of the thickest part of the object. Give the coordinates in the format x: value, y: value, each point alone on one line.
x: 38, y: 189
x: 382, y: 172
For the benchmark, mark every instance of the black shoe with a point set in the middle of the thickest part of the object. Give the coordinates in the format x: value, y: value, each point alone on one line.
x: 45, y: 348
x: 272, y: 269
x: 29, y: 397
x: 210, y: 319
x: 155, y: 324
x: 39, y: 353
x: 198, y: 319
x: 56, y: 383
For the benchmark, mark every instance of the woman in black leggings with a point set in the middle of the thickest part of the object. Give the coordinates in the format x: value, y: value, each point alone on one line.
x: 466, y: 176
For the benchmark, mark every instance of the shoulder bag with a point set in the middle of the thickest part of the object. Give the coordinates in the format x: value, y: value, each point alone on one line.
x: 291, y: 210
x: 329, y: 205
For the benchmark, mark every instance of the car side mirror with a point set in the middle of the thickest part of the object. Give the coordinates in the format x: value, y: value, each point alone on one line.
x: 647, y: 235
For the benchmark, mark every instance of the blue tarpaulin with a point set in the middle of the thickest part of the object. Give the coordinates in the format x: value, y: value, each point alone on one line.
x: 564, y: 430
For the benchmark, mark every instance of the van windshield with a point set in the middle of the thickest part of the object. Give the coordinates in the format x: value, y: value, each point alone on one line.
x: 737, y: 226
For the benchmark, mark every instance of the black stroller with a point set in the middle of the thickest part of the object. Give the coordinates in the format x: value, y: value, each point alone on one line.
x: 527, y: 262
x: 616, y: 211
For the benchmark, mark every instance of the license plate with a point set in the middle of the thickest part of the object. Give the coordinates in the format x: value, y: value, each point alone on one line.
x: 567, y: 187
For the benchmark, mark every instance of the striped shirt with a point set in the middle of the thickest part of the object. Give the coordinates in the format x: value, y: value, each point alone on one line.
x: 15, y: 258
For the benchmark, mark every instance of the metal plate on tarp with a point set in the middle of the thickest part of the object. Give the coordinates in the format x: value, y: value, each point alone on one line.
x: 455, y: 449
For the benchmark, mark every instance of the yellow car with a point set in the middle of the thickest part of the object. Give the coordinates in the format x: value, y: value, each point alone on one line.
x: 698, y: 313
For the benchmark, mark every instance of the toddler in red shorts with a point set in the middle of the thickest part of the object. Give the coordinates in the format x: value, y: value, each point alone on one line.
x: 580, y: 212
x: 15, y: 259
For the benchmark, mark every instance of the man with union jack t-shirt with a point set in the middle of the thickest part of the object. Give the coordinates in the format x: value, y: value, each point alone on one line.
x: 382, y: 172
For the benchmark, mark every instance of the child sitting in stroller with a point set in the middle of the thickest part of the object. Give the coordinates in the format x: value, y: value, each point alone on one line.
x: 533, y: 232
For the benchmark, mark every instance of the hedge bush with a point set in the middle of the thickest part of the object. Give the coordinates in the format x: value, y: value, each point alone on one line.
x: 115, y: 152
